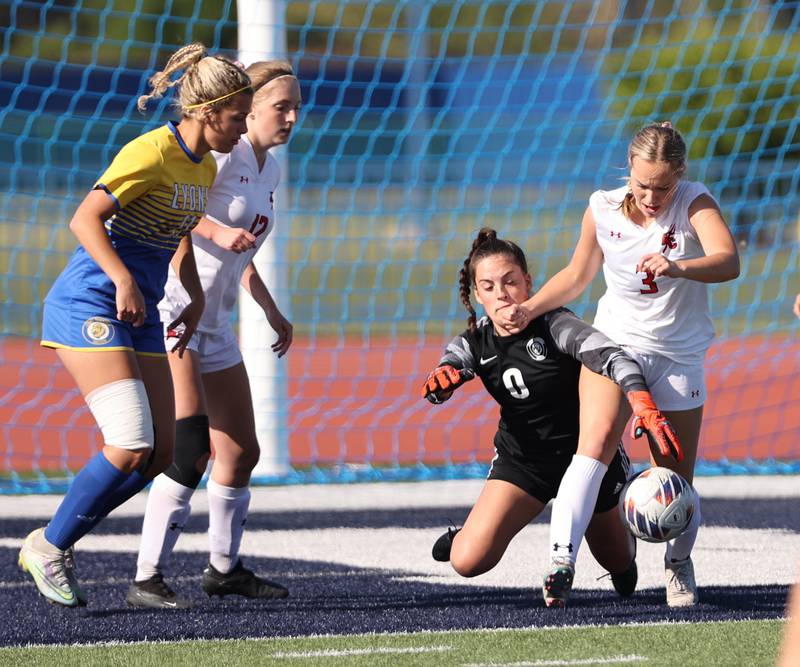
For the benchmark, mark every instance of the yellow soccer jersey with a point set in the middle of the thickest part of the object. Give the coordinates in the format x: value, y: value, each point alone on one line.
x: 160, y: 188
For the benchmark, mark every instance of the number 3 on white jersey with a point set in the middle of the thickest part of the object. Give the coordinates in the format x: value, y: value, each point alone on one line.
x: 512, y: 379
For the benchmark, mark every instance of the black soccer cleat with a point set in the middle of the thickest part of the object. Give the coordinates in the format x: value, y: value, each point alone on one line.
x: 442, y: 546
x: 240, y: 581
x: 154, y: 593
x: 625, y: 582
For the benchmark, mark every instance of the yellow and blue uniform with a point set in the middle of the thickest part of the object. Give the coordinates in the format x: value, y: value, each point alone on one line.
x: 160, y: 189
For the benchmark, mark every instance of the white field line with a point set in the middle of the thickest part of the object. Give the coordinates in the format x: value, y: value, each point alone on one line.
x: 558, y: 663
x: 393, y: 495
x: 722, y: 556
x: 373, y: 635
x: 338, y: 653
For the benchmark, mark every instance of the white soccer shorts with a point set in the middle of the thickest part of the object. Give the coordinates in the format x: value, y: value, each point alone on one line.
x: 216, y: 350
x: 674, y: 386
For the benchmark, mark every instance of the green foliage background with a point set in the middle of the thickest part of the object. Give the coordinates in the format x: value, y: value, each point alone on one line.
x: 726, y: 72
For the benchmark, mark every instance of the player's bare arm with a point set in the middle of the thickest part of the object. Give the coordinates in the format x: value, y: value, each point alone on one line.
x: 186, y: 269
x: 564, y: 286
x: 721, y: 260
x: 235, y: 239
x: 88, y: 226
x: 251, y: 281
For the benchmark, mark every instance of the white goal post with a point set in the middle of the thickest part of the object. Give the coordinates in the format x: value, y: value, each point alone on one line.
x: 262, y: 36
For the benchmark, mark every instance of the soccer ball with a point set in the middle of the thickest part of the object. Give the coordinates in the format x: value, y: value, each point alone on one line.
x: 657, y: 505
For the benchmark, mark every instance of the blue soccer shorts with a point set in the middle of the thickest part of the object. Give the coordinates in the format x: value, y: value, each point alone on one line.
x: 76, y: 330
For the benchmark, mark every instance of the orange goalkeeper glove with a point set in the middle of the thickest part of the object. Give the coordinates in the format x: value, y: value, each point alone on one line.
x: 443, y: 381
x: 648, y: 419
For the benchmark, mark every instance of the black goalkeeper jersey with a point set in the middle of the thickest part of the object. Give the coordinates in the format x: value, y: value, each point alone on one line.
x: 533, y: 375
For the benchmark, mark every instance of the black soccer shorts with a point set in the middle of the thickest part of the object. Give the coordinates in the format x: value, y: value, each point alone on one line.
x: 540, y: 479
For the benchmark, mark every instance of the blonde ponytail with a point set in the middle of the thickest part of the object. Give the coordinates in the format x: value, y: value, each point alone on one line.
x: 207, y: 83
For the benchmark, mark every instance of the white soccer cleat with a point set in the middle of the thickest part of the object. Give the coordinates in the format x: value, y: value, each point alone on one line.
x: 557, y: 584
x: 72, y: 575
x: 681, y: 587
x: 48, y: 569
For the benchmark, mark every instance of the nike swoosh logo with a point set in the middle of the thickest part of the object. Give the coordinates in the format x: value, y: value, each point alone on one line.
x: 486, y: 361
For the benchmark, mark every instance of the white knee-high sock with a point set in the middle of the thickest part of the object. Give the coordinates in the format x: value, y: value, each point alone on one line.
x: 164, y: 519
x: 681, y: 547
x: 573, y: 506
x: 227, y: 513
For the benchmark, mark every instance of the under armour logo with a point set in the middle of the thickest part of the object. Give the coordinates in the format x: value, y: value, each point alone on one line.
x: 668, y: 240
x: 244, y: 179
x: 617, y: 234
x: 558, y: 546
x: 695, y: 393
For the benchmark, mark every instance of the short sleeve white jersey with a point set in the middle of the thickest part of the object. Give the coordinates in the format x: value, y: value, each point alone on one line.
x: 240, y: 197
x: 667, y: 316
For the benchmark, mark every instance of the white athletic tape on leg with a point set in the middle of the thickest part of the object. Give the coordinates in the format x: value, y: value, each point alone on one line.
x: 122, y: 412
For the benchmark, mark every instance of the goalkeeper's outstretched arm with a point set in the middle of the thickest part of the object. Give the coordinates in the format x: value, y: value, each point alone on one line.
x: 455, y: 368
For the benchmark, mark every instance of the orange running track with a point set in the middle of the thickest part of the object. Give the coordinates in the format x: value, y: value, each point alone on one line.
x: 349, y: 403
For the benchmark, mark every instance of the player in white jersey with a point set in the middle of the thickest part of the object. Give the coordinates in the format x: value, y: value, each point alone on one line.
x: 659, y: 239
x: 212, y: 390
x: 669, y: 315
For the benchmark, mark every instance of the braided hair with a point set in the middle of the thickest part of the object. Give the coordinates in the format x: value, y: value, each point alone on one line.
x: 485, y: 244
x: 205, y: 85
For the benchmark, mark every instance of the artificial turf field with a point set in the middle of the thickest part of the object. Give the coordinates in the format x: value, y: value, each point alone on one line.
x: 364, y: 589
x: 743, y: 643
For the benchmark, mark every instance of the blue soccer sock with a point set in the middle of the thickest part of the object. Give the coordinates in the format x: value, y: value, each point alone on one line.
x: 127, y: 490
x: 124, y: 492
x: 85, y: 501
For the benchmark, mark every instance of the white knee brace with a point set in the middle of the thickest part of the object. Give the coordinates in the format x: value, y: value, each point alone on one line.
x: 122, y: 412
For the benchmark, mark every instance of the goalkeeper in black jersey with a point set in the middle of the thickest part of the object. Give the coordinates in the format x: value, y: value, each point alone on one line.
x: 541, y: 453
